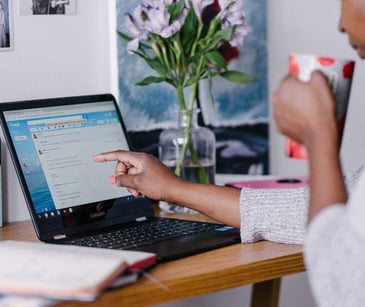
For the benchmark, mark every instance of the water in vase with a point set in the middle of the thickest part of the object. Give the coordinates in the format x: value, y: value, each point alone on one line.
x: 189, y: 172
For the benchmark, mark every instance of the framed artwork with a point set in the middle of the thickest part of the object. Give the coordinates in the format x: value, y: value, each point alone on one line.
x: 47, y: 7
x: 239, y: 118
x: 6, y: 25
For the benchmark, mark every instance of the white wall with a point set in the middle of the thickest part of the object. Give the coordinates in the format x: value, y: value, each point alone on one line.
x: 70, y: 55
x: 54, y: 56
x: 311, y: 27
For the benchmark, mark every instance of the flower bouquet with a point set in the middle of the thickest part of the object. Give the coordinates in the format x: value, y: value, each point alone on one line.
x: 184, y: 42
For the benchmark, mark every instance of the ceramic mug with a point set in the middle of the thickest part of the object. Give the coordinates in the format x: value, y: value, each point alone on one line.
x: 339, y: 73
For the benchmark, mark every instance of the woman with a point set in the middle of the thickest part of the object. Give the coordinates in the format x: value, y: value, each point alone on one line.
x: 2, y: 26
x: 335, y: 240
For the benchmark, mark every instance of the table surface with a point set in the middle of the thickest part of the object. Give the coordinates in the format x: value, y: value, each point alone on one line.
x: 262, y: 264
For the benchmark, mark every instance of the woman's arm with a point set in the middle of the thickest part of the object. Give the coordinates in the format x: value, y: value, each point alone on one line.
x: 262, y: 214
x: 144, y: 174
x: 270, y: 214
x: 306, y: 113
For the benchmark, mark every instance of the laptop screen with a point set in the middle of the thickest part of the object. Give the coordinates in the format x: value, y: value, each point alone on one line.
x: 54, y: 146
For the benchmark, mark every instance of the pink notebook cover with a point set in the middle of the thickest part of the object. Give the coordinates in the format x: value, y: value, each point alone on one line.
x: 278, y: 183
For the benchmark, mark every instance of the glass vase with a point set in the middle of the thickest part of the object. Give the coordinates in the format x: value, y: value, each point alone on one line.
x: 189, y: 151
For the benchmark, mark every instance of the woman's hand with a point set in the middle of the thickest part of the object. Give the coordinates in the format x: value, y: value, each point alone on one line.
x: 305, y: 111
x: 140, y: 173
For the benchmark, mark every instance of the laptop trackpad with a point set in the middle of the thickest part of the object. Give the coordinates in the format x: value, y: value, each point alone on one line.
x: 190, y: 245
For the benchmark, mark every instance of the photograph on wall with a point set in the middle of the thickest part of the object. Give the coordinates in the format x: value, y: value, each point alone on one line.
x: 6, y: 33
x: 47, y: 7
x: 239, y: 116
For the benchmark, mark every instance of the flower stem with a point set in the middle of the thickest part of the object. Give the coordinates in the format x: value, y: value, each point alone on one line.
x: 180, y: 96
x: 188, y: 140
x: 188, y: 127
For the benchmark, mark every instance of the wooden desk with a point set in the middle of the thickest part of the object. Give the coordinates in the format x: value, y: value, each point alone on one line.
x: 261, y: 264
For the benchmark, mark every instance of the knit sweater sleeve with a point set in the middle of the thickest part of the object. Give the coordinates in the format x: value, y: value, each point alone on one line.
x: 334, y: 252
x: 278, y: 215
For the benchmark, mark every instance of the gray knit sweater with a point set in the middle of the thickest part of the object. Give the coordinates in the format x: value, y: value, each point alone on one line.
x: 334, y: 243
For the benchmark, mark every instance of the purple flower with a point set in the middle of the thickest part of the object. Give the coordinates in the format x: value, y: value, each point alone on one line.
x: 157, y: 19
x: 152, y: 17
x: 135, y: 26
x: 176, y: 52
x: 232, y: 15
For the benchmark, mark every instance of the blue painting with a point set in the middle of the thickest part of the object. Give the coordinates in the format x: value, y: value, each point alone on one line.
x: 239, y: 117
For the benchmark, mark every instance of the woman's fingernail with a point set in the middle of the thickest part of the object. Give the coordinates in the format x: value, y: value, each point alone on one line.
x: 112, y: 179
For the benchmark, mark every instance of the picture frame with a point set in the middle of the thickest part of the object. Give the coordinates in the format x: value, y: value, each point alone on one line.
x: 48, y: 7
x: 6, y: 25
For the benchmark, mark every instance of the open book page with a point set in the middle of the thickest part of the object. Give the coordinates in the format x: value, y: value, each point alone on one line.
x: 63, y: 271
x: 25, y: 301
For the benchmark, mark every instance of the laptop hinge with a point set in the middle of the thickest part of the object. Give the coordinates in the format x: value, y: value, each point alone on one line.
x: 59, y: 237
x: 141, y: 219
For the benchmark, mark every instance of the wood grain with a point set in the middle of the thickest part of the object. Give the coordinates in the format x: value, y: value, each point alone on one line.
x: 224, y: 268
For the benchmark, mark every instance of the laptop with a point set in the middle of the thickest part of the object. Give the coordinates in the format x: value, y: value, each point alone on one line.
x: 69, y: 198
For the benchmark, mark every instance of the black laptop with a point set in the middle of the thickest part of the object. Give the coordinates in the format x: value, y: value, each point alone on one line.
x: 69, y: 198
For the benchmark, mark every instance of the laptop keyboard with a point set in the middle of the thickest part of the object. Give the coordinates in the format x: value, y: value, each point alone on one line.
x: 144, y: 234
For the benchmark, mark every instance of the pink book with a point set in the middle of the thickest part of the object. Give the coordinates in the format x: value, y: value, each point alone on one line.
x: 278, y: 183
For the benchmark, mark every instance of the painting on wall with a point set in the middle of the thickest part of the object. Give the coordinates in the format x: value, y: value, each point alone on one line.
x: 6, y: 31
x: 47, y: 7
x: 239, y: 117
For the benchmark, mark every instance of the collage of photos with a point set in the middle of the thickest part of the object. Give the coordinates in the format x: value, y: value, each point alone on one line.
x: 5, y: 25
x: 47, y: 7
x: 30, y: 7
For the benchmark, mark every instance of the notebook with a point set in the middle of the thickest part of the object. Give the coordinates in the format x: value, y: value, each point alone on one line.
x: 273, y: 183
x: 69, y: 198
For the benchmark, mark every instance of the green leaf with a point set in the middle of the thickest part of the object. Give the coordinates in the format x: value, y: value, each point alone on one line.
x: 124, y: 36
x: 128, y: 39
x: 217, y: 41
x: 225, y: 34
x: 156, y: 65
x: 188, y: 43
x: 220, y: 38
x: 217, y: 59
x: 175, y: 9
x: 237, y: 77
x: 150, y: 80
x: 210, y: 82
x: 192, y: 80
x: 189, y: 32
